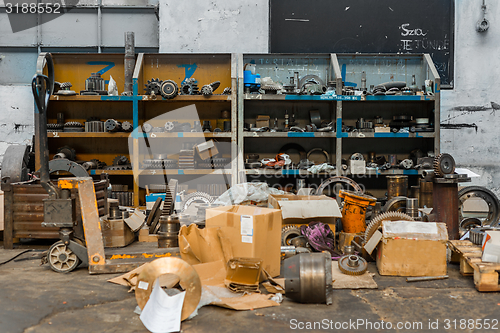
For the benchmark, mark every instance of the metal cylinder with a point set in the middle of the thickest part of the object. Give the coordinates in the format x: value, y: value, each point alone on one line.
x: 308, y: 278
x: 60, y: 118
x: 354, y: 211
x: 445, y: 202
x: 129, y: 62
x: 425, y: 194
x: 113, y: 125
x: 115, y: 213
x: 412, y: 207
x: 397, y: 186
x: 169, y: 231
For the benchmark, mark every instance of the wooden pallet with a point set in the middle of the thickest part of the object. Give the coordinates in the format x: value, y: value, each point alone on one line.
x: 485, y: 273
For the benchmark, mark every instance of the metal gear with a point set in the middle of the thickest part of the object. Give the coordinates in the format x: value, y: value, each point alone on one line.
x: 100, y: 165
x: 353, y: 265
x: 357, y: 157
x: 54, y: 126
x: 153, y: 87
x: 376, y: 222
x: 488, y: 196
x: 207, y: 90
x: 227, y: 91
x: 289, y: 232
x: 338, y: 180
x: 146, y: 128
x: 127, y: 126
x: 120, y: 160
x: 195, y: 198
x: 169, y: 126
x: 189, y: 87
x: 395, y: 204
x: 444, y: 164
x: 65, y: 152
x: 169, y: 89
x: 476, y: 235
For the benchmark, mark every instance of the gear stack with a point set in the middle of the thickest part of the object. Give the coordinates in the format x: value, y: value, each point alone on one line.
x: 186, y: 159
x: 159, y: 163
x: 73, y: 126
x: 120, y: 162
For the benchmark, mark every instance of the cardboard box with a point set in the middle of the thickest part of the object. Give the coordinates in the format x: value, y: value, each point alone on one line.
x: 116, y: 233
x: 412, y: 249
x: 262, y: 121
x: 254, y: 232
x: 145, y: 236
x: 207, y: 149
x: 491, y: 246
x: 302, y: 209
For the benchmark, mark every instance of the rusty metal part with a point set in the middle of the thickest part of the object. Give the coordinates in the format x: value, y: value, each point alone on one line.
x: 169, y: 89
x: 352, y: 265
x: 397, y: 186
x: 357, y: 157
x: 308, y: 278
x: 354, y: 210
x: 169, y: 231
x: 129, y: 62
x: 425, y: 194
x: 189, y: 87
x: 154, y: 216
x: 469, y: 223
x: 65, y: 152
x: 406, y: 164
x: 207, y: 90
x: 446, y: 206
x: 444, y: 164
x: 338, y: 180
x: 289, y: 232
x: 153, y: 87
x: 189, y: 281
x: 121, y: 160
x: 487, y: 196
x: 412, y: 207
x: 348, y: 249
x: 15, y: 163
x: 396, y: 204
x: 376, y: 222
x: 61, y: 259
x: 476, y: 235
x: 66, y: 165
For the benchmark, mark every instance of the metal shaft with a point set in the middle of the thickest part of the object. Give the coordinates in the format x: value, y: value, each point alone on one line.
x: 129, y: 62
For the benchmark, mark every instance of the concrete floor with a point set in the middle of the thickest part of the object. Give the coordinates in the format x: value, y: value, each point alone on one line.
x: 34, y: 299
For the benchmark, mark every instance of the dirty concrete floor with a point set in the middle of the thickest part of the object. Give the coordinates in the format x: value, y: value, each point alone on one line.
x: 34, y: 299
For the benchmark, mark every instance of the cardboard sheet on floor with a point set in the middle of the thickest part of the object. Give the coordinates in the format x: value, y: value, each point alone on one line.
x: 344, y: 281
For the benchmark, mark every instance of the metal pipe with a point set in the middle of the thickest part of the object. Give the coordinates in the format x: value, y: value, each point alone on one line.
x: 129, y: 62
x: 99, y: 27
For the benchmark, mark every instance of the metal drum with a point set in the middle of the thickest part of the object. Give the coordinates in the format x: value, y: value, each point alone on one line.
x: 397, y: 186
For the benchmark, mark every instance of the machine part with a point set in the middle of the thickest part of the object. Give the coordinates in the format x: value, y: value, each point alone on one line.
x: 94, y: 126
x: 397, y: 186
x: 65, y: 152
x: 169, y: 231
x: 354, y: 210
x: 352, y: 265
x: 476, y: 235
x: 310, y: 78
x: 412, y: 207
x: 338, y: 180
x: 129, y: 62
x: 169, y: 89
x: 444, y: 164
x: 100, y: 165
x: 15, y: 163
x: 89, y: 165
x: 395, y: 204
x: 189, y: 87
x: 296, y: 147
x: 61, y: 259
x: 215, y: 85
x: 227, y: 91
x: 73, y: 126
x: 491, y: 200
x: 157, y: 188
x: 308, y: 278
x: 348, y: 250
x: 51, y: 127
x: 66, y: 165
x: 270, y: 89
x: 121, y: 160
x: 289, y: 232
x: 189, y: 281
x: 362, y: 125
x: 315, y: 117
x: 469, y: 223
x: 154, y: 216
x: 113, y: 125
x: 324, y: 152
x: 357, y: 157
x: 119, y: 167
x: 207, y: 90
x: 188, y: 203
x: 169, y: 126
x: 147, y: 128
x: 158, y: 130
x: 94, y: 85
x: 376, y: 222
x: 406, y: 164
x: 153, y: 87
x: 127, y: 126
x: 299, y: 241
x: 64, y: 89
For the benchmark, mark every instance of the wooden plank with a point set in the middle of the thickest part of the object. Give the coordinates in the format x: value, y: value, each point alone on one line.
x: 486, y: 281
x: 55, y: 135
x: 465, y: 268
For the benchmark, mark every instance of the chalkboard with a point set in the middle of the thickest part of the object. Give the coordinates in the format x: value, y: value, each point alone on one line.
x: 366, y: 26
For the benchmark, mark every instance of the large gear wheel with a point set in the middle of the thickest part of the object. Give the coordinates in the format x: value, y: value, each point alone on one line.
x: 169, y: 89
x: 289, y: 232
x: 491, y: 200
x: 153, y: 87
x: 192, y: 199
x: 352, y: 265
x: 444, y: 164
x: 65, y: 152
x: 396, y: 204
x: 376, y: 222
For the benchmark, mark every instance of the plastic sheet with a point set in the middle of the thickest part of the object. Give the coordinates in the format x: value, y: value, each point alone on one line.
x: 239, y: 193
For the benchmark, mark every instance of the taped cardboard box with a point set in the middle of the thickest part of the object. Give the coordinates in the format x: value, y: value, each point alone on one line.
x: 302, y: 209
x: 412, y: 249
x: 207, y: 149
x: 253, y: 232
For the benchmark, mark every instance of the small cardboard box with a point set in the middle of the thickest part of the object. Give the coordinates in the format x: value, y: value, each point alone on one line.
x: 412, y: 249
x: 302, y: 209
x: 254, y: 232
x: 491, y: 246
x: 116, y: 233
x: 207, y: 149
x: 262, y: 121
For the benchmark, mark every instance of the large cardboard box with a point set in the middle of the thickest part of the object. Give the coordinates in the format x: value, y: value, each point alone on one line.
x: 254, y: 232
x: 302, y: 209
x: 412, y: 249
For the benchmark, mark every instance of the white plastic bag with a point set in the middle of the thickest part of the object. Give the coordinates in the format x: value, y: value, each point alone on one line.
x: 112, y: 88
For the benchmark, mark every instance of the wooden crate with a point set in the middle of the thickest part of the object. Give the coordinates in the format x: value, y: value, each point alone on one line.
x: 485, y: 273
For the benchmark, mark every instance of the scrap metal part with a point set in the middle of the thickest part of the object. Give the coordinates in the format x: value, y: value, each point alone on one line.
x: 127, y: 126
x: 376, y: 222
x: 476, y: 235
x: 467, y: 224
x: 338, y: 180
x: 188, y: 280
x: 120, y: 160
x: 227, y: 91
x: 65, y: 152
x: 289, y: 232
x: 169, y: 89
x: 113, y: 125
x: 189, y: 87
x: 352, y: 265
x: 444, y: 164
x: 153, y: 87
x: 15, y: 163
x: 62, y: 164
x: 207, y: 90
x: 357, y: 157
x: 488, y: 196
x: 188, y: 203
x: 308, y: 278
x: 395, y: 204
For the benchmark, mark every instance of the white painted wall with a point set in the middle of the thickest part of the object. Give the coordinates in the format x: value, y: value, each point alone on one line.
x: 476, y: 85
x: 218, y: 26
